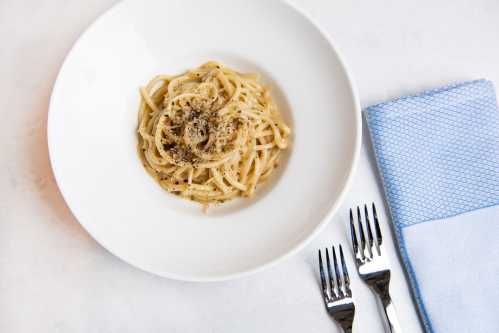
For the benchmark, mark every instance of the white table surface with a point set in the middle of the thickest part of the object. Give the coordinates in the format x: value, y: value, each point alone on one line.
x: 55, y: 278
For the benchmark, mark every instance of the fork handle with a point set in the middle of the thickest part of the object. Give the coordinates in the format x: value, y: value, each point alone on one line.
x: 391, y: 315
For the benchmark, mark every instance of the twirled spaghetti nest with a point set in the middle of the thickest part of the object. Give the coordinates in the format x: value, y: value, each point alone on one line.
x: 210, y: 134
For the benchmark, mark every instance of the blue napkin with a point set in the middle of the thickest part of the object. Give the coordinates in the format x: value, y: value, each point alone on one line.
x: 438, y: 156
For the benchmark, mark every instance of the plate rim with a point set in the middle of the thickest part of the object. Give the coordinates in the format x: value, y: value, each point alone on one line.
x: 294, y: 249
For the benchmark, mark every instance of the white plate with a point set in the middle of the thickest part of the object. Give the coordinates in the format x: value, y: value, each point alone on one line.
x: 92, y: 141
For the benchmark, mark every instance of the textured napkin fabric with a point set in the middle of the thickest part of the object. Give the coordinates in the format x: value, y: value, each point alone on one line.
x: 438, y: 155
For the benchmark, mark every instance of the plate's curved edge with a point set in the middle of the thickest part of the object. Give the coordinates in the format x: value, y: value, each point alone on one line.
x: 49, y: 139
x: 216, y: 278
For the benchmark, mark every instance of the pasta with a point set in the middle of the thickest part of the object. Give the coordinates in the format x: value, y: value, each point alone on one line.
x: 210, y: 134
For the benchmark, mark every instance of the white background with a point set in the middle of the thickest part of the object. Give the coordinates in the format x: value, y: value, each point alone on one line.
x: 55, y: 278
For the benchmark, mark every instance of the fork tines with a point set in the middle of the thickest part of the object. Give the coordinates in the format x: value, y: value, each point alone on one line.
x: 373, y: 265
x: 339, y: 283
x: 360, y: 251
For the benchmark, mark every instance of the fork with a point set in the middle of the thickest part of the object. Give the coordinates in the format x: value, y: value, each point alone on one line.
x: 339, y: 302
x: 373, y: 265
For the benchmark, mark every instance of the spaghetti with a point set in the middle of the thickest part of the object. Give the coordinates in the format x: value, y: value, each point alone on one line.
x: 210, y: 134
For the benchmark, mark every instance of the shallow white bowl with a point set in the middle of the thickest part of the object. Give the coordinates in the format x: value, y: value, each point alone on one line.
x: 92, y: 141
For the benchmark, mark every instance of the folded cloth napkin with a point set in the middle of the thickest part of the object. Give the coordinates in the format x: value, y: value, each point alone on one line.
x: 438, y: 155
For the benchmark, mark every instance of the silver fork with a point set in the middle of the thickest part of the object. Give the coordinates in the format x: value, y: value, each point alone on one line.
x: 373, y: 265
x: 339, y: 302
